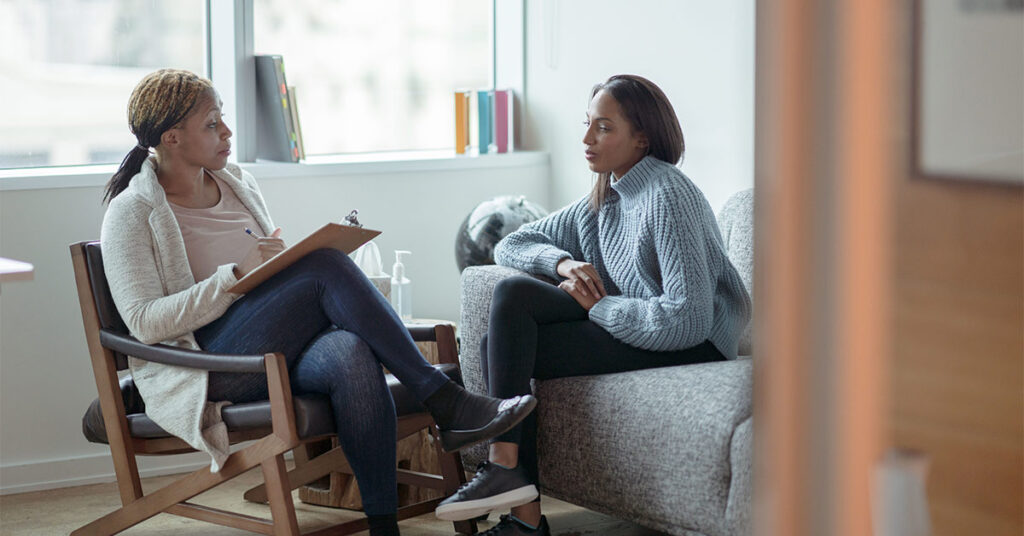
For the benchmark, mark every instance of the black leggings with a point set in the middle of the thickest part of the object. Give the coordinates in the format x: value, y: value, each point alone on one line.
x: 537, y: 330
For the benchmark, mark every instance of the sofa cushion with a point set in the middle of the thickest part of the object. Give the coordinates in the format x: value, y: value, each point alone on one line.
x: 736, y: 221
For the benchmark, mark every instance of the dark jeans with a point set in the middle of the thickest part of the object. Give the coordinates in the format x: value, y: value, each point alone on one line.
x: 537, y: 330
x: 335, y: 330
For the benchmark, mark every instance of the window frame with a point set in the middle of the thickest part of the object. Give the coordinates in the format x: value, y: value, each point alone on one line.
x: 229, y: 47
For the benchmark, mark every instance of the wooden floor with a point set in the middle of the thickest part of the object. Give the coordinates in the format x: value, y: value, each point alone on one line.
x: 58, y: 512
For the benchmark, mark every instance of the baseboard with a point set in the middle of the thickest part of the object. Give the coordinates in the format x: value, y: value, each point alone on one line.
x: 82, y: 470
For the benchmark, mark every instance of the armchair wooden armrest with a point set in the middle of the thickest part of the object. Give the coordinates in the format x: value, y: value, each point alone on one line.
x: 441, y: 333
x: 182, y: 357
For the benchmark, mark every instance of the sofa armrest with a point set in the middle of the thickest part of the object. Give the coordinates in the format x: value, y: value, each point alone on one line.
x: 478, y: 284
x: 739, y: 508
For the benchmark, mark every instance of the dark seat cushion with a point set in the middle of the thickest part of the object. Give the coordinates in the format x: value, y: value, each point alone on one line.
x: 313, y: 414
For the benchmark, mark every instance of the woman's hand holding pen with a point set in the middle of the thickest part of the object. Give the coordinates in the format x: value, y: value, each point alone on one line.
x: 582, y: 282
x: 262, y: 250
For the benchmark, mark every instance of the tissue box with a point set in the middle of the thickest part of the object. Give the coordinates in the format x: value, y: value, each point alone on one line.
x: 383, y: 284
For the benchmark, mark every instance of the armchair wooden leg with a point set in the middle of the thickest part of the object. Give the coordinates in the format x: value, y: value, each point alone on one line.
x: 309, y: 471
x: 279, y: 494
x: 185, y: 488
x: 323, y: 461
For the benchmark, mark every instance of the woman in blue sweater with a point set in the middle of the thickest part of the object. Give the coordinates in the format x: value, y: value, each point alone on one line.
x: 644, y: 282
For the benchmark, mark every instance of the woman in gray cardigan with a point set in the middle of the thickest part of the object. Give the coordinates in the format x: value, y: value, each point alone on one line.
x: 175, y: 240
x: 644, y: 282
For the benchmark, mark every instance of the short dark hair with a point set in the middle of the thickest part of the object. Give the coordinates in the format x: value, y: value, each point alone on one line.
x: 649, y: 111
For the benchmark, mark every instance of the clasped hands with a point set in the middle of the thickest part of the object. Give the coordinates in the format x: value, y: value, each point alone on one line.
x: 582, y: 282
x: 263, y: 249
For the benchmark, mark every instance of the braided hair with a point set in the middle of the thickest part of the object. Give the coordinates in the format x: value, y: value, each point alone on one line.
x: 161, y: 101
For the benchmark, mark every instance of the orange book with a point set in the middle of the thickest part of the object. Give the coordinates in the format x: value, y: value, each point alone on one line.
x: 461, y: 121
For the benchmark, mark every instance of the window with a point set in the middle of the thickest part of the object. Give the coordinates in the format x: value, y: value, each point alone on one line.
x: 377, y: 76
x: 371, y: 76
x: 67, y: 68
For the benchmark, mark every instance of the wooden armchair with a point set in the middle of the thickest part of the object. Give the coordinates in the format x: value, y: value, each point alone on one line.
x: 278, y: 425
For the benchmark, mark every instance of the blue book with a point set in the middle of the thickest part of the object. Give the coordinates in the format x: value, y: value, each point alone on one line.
x: 484, y: 108
x: 276, y: 138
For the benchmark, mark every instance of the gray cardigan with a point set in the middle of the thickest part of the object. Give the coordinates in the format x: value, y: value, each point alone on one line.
x: 659, y: 252
x: 160, y: 301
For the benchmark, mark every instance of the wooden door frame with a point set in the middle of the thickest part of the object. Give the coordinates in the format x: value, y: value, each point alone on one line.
x: 825, y: 171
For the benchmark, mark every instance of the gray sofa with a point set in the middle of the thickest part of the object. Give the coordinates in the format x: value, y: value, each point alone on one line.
x: 667, y: 448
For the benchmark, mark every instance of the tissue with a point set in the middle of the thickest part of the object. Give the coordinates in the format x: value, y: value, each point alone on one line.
x: 367, y: 258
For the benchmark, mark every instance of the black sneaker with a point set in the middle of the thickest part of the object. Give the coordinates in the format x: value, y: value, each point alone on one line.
x: 509, y: 526
x: 493, y: 488
x: 507, y: 414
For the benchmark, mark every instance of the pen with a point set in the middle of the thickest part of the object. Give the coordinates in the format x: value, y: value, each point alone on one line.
x: 252, y: 234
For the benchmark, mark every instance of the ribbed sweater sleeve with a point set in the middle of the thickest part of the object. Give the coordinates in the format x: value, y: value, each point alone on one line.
x: 539, y: 246
x: 682, y: 315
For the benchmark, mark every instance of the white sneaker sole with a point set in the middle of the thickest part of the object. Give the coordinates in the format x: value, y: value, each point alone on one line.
x: 461, y: 511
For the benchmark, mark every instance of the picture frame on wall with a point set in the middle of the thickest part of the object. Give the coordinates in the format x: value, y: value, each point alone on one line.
x: 968, y: 90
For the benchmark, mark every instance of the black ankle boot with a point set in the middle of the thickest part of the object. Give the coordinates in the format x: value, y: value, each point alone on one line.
x: 453, y: 407
x: 465, y: 419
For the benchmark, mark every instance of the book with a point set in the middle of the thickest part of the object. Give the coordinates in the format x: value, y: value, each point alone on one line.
x: 474, y: 123
x: 275, y: 138
x: 461, y: 120
x: 293, y: 106
x: 344, y: 238
x: 504, y: 120
x: 485, y: 117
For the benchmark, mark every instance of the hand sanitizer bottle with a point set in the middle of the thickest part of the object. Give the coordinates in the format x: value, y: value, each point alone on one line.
x: 401, y: 287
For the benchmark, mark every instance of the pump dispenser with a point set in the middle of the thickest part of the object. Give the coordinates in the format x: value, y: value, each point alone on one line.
x: 401, y: 287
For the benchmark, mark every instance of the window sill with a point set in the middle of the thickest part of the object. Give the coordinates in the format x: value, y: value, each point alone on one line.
x: 317, y: 166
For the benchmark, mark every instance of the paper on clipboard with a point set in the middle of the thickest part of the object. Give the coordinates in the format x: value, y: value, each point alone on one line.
x: 344, y: 238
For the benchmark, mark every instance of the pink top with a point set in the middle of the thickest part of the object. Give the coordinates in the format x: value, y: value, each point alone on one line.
x: 216, y: 235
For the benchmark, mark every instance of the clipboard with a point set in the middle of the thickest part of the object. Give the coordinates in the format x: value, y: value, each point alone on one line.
x: 344, y: 238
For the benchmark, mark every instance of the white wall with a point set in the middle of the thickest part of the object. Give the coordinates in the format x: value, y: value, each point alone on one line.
x: 45, y: 376
x: 701, y: 54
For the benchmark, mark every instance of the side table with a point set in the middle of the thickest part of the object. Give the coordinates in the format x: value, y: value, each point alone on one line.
x: 12, y: 270
x: 415, y: 453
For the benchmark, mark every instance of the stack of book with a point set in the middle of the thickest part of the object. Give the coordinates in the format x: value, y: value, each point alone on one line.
x: 279, y: 135
x: 484, y: 120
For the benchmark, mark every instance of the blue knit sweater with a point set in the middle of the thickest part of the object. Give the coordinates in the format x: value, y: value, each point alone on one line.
x: 657, y: 247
